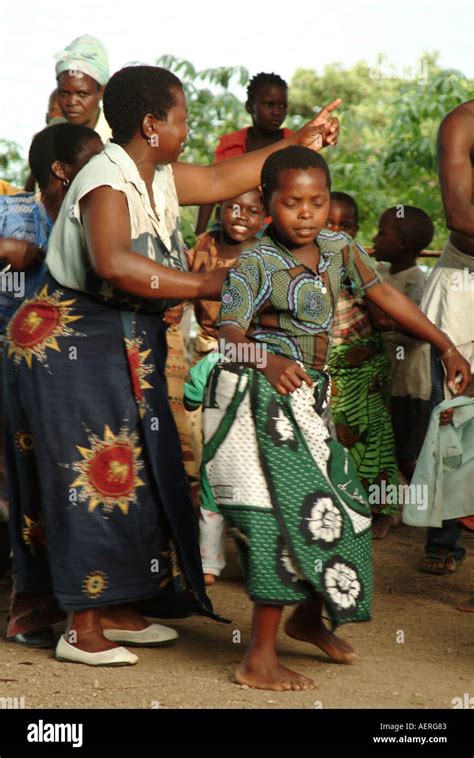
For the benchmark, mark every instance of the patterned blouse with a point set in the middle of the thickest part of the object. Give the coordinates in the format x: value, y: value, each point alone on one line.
x: 279, y: 301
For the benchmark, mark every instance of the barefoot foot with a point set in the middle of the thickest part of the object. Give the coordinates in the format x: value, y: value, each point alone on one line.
x: 337, y: 649
x: 209, y: 579
x: 269, y: 674
x: 381, y: 526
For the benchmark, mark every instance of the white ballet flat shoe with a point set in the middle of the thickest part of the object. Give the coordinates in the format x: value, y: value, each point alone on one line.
x: 152, y: 636
x: 118, y: 656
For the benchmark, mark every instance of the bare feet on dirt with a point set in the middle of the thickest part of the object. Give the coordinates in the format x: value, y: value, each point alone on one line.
x: 265, y: 672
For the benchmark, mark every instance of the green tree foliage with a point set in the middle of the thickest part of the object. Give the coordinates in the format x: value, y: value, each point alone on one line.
x: 213, y: 109
x: 386, y: 154
x: 13, y: 167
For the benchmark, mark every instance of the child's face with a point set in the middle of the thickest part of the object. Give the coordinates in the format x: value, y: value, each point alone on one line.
x: 387, y: 242
x: 269, y: 107
x: 300, y: 206
x: 341, y: 218
x: 243, y: 217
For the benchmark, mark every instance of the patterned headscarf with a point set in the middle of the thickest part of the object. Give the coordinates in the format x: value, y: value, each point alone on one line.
x: 87, y: 55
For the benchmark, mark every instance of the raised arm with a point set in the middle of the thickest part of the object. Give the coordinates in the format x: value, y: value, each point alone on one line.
x: 395, y: 304
x: 198, y: 185
x: 455, y: 154
x: 107, y: 234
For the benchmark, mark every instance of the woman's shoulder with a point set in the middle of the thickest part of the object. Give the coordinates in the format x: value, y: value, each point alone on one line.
x: 100, y: 170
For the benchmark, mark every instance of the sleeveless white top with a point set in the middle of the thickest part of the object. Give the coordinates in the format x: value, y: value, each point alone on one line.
x: 155, y: 236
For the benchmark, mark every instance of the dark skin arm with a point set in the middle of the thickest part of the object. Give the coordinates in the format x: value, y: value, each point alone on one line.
x: 198, y: 185
x: 286, y: 375
x: 204, y: 214
x: 282, y: 373
x: 107, y: 234
x: 404, y: 312
x: 382, y: 322
x: 20, y: 254
x: 456, y: 154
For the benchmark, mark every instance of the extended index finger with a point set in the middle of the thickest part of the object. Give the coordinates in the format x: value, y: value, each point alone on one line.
x: 329, y: 108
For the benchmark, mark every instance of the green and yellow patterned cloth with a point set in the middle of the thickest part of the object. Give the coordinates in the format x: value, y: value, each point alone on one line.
x: 285, y: 305
x: 360, y: 396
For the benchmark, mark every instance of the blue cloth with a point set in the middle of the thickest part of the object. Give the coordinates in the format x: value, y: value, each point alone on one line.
x: 445, y: 536
x: 22, y: 217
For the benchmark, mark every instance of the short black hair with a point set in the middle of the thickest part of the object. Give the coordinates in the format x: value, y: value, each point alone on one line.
x: 343, y: 197
x: 59, y: 142
x: 413, y: 225
x: 262, y: 79
x: 133, y: 92
x: 295, y: 156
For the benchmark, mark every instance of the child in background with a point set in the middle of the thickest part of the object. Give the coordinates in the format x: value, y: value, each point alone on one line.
x: 290, y: 492
x: 242, y: 219
x: 211, y: 522
x: 267, y: 103
x: 404, y: 231
x: 360, y: 379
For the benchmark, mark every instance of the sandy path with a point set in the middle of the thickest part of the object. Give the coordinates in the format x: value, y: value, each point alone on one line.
x: 433, y: 665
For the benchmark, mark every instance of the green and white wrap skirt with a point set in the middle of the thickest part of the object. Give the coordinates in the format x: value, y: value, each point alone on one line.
x: 289, y: 492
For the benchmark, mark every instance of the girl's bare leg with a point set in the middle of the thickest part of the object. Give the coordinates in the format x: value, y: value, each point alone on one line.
x: 306, y: 624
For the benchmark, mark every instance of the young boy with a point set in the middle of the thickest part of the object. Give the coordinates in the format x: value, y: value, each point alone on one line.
x: 291, y: 493
x: 360, y: 377
x: 267, y: 104
x: 242, y: 219
x: 404, y: 231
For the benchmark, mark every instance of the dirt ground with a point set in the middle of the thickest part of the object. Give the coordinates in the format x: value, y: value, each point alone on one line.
x: 418, y: 652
